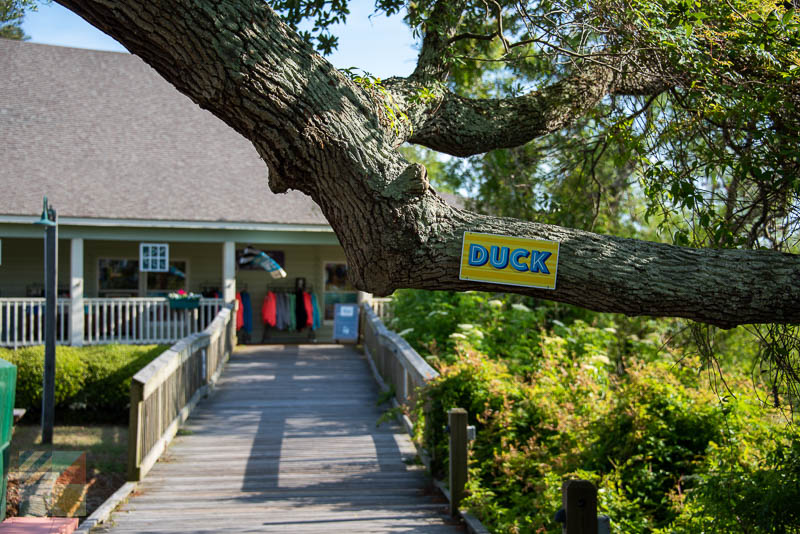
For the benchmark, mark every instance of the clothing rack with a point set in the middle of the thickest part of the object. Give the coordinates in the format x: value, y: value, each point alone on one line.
x: 269, y: 331
x: 208, y: 287
x: 288, y: 289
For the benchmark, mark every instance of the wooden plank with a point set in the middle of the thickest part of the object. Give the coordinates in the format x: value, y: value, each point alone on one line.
x: 287, y: 442
x: 161, y: 445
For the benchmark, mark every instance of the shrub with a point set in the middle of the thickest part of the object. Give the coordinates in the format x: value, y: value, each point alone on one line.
x: 557, y: 393
x: 92, y: 383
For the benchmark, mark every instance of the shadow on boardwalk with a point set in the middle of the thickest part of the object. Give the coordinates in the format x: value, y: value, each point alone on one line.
x: 288, y: 443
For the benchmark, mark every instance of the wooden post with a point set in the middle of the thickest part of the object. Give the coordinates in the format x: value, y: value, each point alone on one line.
x: 362, y: 299
x: 579, y: 498
x: 135, y: 431
x: 457, y: 420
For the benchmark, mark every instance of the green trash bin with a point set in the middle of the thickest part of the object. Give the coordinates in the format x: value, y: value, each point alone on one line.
x: 8, y: 385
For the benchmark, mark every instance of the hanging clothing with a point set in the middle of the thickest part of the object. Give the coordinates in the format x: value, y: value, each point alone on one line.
x: 309, y: 309
x: 281, y: 321
x: 317, y: 318
x: 300, y: 314
x: 247, y: 313
x: 269, y: 309
x: 291, y: 311
x: 239, y: 311
x: 291, y: 316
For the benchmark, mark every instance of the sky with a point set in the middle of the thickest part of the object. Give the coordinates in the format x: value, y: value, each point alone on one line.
x: 381, y: 46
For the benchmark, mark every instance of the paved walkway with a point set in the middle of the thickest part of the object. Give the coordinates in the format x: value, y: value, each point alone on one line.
x: 287, y: 443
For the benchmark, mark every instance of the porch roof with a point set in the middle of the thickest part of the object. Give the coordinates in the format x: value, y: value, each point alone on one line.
x: 105, y: 137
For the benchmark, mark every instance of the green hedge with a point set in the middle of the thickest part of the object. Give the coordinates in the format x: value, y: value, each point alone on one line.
x: 92, y: 383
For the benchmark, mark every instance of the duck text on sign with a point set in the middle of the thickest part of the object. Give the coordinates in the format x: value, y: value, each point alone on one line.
x: 515, y: 261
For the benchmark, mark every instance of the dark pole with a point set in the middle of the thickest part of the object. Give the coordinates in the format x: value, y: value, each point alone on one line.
x: 50, y: 293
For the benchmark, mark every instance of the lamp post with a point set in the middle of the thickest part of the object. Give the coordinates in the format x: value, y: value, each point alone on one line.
x: 49, y: 220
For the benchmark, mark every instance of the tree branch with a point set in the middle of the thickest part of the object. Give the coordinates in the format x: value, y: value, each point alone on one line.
x: 463, y: 127
x: 469, y: 35
x: 321, y: 134
x: 440, y: 28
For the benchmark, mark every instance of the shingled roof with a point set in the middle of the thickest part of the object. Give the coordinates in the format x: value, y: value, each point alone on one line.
x: 104, y: 136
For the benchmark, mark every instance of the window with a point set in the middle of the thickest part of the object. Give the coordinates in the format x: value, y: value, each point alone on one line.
x: 154, y: 257
x: 338, y: 289
x: 117, y: 277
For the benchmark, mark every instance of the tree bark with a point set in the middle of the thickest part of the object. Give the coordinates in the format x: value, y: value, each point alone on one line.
x: 322, y: 134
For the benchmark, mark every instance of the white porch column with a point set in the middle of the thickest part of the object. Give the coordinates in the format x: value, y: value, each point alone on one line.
x: 76, y: 293
x: 229, y: 271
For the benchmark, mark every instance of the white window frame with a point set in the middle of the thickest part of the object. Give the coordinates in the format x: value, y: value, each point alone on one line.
x: 145, y: 265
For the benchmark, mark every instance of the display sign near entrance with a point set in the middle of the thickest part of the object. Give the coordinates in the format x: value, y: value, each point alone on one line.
x: 514, y: 261
x: 345, y: 322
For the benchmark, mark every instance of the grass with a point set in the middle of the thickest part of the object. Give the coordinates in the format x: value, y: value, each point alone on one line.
x: 106, y: 446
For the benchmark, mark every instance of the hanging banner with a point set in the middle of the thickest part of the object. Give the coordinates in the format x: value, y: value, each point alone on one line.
x: 513, y: 261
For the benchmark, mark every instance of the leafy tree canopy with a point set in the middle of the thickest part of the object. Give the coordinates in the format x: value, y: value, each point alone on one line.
x: 704, y: 153
x: 11, y: 14
x: 708, y: 143
x: 569, y: 112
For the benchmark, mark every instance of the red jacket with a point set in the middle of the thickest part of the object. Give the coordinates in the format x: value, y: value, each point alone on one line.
x: 309, y: 309
x: 239, y: 311
x: 268, y: 309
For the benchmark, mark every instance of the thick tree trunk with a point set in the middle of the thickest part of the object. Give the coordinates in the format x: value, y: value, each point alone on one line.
x: 321, y: 134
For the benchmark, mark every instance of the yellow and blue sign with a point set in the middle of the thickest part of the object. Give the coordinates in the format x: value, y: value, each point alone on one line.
x: 514, y: 261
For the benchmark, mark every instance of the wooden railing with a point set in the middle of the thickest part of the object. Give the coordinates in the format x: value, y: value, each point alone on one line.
x: 395, y: 361
x: 397, y: 365
x: 144, y: 320
x: 382, y: 307
x: 22, y: 322
x: 165, y: 391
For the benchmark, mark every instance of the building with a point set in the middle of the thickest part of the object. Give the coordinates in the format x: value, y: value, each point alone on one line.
x: 133, y: 167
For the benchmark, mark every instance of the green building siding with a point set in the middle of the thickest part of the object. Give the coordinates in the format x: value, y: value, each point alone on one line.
x: 23, y: 266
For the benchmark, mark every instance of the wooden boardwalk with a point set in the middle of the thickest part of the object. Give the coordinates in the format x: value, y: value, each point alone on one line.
x: 287, y: 443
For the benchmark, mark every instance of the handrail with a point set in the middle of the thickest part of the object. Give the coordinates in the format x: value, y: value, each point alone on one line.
x: 164, y: 392
x: 397, y: 363
x: 382, y: 306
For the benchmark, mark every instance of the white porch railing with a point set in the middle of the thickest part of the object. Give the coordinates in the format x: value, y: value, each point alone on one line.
x: 22, y: 322
x: 106, y: 320
x: 144, y: 320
